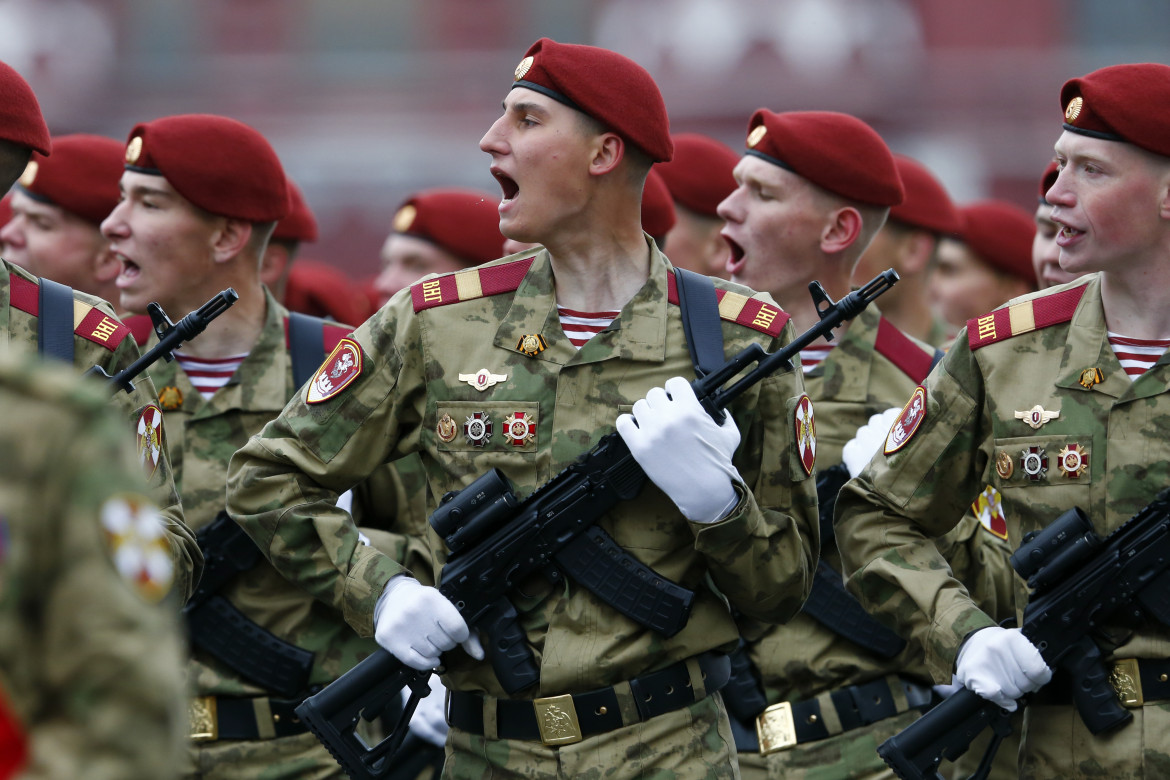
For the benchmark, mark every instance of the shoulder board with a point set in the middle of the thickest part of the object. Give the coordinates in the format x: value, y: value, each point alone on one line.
x: 140, y: 327
x: 1023, y: 317
x: 901, y: 350
x: 331, y: 332
x: 735, y: 307
x: 89, y: 322
x: 469, y: 285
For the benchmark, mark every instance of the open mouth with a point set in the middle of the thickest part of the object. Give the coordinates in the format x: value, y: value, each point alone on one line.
x: 130, y: 272
x: 735, y: 260
x: 507, y: 184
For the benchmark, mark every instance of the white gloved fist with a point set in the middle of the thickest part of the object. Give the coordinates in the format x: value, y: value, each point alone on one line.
x: 416, y: 623
x: 859, y: 450
x: 429, y: 721
x: 683, y: 451
x: 1001, y: 665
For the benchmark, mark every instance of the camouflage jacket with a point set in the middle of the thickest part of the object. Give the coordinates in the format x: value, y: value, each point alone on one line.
x: 90, y: 668
x: 983, y: 422
x: 100, y: 339
x: 416, y: 391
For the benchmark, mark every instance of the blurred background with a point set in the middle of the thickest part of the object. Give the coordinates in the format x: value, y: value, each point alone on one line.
x: 367, y: 101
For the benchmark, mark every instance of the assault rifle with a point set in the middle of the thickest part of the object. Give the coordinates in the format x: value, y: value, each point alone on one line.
x: 170, y: 336
x: 1078, y: 581
x: 496, y: 541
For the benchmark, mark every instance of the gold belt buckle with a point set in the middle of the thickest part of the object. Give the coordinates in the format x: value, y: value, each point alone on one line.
x: 202, y: 719
x: 1126, y: 680
x: 776, y: 728
x: 556, y: 717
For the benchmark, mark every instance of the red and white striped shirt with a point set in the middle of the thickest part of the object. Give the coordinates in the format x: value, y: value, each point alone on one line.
x: 811, y: 357
x: 1137, y: 355
x: 580, y: 326
x: 209, y: 374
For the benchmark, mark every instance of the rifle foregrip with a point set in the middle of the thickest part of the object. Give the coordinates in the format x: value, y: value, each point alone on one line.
x: 511, y: 657
x: 1092, y: 693
x: 944, y: 732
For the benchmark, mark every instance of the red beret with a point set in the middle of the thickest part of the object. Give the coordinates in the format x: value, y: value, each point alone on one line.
x: 464, y: 222
x: 1048, y: 179
x: 700, y: 174
x: 926, y: 204
x: 323, y: 291
x: 81, y: 176
x: 1121, y: 103
x: 612, y: 89
x: 657, y: 206
x: 837, y: 152
x: 221, y: 165
x: 1001, y: 234
x: 5, y: 209
x: 299, y: 224
x: 20, y: 113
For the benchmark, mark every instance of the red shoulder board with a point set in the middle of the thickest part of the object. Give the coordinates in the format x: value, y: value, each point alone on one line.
x: 140, y: 327
x: 13, y: 741
x: 1023, y: 317
x: 469, y: 285
x: 334, y: 334
x: 89, y: 322
x: 740, y: 309
x: 898, y: 348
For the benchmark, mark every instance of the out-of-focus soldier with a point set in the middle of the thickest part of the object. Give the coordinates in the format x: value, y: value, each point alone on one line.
x: 699, y: 177
x: 1045, y: 250
x: 90, y: 664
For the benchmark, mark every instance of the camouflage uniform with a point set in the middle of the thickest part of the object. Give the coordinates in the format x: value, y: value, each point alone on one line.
x: 89, y: 668
x: 971, y: 435
x: 760, y: 557
x: 204, y: 434
x: 101, y: 340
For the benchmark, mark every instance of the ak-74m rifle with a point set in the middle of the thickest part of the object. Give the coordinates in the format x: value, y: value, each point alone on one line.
x: 170, y: 336
x: 496, y: 540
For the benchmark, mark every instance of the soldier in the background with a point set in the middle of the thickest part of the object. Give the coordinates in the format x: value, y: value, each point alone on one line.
x: 908, y: 243
x: 1045, y: 249
x: 294, y: 230
x: 699, y: 177
x: 91, y: 682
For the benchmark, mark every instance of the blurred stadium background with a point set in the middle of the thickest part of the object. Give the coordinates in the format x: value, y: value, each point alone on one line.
x: 369, y: 100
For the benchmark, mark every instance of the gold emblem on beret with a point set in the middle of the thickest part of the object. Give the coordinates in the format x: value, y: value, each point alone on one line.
x: 30, y: 174
x: 134, y: 149
x: 405, y: 218
x: 523, y: 68
x: 1004, y: 466
x: 446, y: 429
x: 756, y: 135
x: 1074, y: 109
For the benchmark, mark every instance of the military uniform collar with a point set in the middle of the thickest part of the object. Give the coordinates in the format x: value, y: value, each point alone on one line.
x: 5, y: 302
x: 841, y: 375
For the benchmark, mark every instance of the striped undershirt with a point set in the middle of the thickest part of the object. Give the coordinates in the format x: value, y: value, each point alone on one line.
x: 580, y: 326
x: 1137, y: 355
x: 209, y: 374
x: 811, y: 357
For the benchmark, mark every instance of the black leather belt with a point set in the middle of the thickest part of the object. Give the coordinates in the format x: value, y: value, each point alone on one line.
x: 1134, y: 680
x: 787, y: 724
x: 563, y: 720
x: 217, y: 717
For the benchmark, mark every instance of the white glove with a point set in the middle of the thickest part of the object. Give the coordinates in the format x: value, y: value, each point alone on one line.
x: 429, y: 721
x: 1001, y: 665
x: 859, y: 450
x: 416, y: 623
x: 948, y: 689
x: 683, y: 451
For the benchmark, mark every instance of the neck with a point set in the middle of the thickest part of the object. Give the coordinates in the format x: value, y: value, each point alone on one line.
x: 600, y: 275
x: 1137, y: 305
x: 797, y: 302
x: 906, y: 306
x: 233, y: 332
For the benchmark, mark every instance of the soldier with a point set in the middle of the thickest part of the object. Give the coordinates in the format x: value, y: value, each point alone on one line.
x: 1045, y: 250
x: 436, y: 369
x: 988, y: 264
x: 699, y: 177
x: 201, y: 194
x: 908, y: 243
x: 82, y: 330
x: 90, y: 670
x: 1097, y: 421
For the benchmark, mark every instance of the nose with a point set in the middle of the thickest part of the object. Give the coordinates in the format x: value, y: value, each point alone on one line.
x: 1060, y: 193
x: 387, y: 283
x: 114, y: 226
x: 728, y: 208
x: 11, y: 234
x: 493, y: 141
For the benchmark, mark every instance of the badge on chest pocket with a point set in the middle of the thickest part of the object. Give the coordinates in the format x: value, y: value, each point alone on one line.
x: 498, y: 426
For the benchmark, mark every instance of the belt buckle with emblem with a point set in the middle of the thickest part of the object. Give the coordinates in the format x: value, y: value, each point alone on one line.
x: 1126, y: 680
x: 776, y: 728
x: 556, y: 717
x: 203, y: 719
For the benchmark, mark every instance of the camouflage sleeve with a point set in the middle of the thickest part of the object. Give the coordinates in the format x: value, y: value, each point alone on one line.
x: 763, y: 556
x: 979, y: 560
x: 888, y: 518
x: 391, y: 509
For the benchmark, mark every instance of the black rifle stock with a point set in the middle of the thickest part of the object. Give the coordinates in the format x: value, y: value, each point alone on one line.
x: 1078, y: 581
x: 170, y: 336
x: 496, y: 540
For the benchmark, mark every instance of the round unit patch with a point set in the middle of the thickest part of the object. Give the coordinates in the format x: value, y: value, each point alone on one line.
x: 913, y: 413
x: 138, y: 544
x: 343, y: 365
x: 806, y: 433
x: 149, y: 436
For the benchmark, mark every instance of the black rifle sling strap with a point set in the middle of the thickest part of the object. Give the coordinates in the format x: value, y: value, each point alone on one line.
x: 700, y: 315
x: 55, y: 321
x: 306, y: 344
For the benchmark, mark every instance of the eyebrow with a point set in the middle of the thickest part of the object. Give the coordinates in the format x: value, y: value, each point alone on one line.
x: 144, y: 189
x: 525, y: 106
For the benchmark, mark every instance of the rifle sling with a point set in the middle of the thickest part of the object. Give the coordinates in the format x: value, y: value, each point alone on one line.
x: 699, y: 308
x: 306, y: 341
x: 55, y: 321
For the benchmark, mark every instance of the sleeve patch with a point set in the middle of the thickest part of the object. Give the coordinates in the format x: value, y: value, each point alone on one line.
x: 338, y: 372
x: 908, y: 422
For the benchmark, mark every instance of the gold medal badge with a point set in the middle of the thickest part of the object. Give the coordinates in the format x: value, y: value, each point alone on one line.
x: 170, y: 398
x: 1090, y: 378
x: 1004, y: 466
x: 446, y: 429
x: 519, y: 429
x: 531, y: 344
x: 478, y: 429
x: 1072, y: 461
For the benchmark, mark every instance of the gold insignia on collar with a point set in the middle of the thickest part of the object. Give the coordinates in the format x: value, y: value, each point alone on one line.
x: 170, y: 398
x: 1091, y: 377
x: 483, y: 379
x: 531, y: 344
x: 446, y: 430
x: 523, y: 68
x: 1004, y: 466
x: 404, y: 218
x: 756, y: 135
x: 30, y: 174
x: 1037, y: 416
x: 1074, y: 109
x: 134, y: 149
